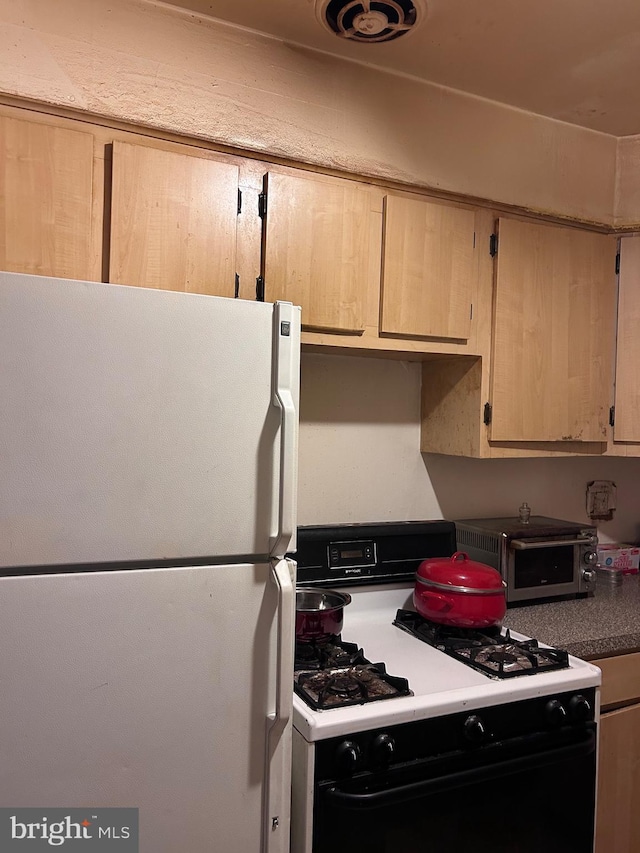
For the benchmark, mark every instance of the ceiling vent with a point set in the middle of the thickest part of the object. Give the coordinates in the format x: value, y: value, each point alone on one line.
x: 370, y: 21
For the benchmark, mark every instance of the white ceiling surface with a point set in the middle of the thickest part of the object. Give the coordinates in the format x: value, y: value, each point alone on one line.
x: 573, y: 60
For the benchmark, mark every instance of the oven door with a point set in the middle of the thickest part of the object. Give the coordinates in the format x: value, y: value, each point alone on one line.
x: 543, y: 568
x: 534, y: 795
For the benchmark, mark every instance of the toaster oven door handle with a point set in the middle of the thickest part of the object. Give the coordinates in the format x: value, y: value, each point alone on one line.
x: 527, y: 545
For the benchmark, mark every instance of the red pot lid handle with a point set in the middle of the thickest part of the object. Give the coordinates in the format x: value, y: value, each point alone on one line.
x: 459, y: 570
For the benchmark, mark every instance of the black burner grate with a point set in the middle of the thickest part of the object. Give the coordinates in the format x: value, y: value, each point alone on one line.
x: 488, y: 651
x: 335, y: 674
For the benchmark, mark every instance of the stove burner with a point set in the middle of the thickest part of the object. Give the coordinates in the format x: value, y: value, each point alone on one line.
x: 331, y: 674
x: 489, y: 651
x: 502, y: 657
x: 345, y: 684
x: 322, y: 654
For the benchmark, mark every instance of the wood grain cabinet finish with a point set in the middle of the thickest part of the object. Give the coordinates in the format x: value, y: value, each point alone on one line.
x: 173, y: 220
x: 627, y: 402
x: 618, y: 815
x: 553, y: 335
x: 428, y: 269
x: 316, y: 249
x: 46, y: 175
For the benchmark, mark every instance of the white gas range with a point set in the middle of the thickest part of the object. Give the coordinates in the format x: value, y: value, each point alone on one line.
x: 381, y: 774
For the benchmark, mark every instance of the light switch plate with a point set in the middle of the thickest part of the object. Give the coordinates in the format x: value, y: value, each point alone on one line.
x: 601, y: 499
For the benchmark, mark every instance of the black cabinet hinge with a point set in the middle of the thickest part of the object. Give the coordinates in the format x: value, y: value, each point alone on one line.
x: 618, y: 264
x: 260, y: 289
x: 239, y: 202
x: 262, y: 205
x: 236, y: 291
x: 488, y: 410
x: 493, y: 245
x: 612, y: 416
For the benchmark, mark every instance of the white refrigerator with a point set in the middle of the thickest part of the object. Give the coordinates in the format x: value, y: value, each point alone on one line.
x: 148, y: 466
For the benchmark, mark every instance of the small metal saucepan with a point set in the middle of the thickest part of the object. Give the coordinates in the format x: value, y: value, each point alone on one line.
x: 319, y: 613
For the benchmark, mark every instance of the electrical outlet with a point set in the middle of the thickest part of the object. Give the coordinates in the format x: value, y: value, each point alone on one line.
x: 601, y: 499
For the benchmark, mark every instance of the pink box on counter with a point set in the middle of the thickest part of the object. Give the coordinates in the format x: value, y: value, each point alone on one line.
x: 626, y: 558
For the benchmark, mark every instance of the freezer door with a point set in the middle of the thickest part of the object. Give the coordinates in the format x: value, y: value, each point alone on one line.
x: 153, y: 689
x: 142, y: 425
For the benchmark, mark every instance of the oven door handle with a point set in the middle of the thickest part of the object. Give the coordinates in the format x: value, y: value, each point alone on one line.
x: 451, y: 781
x: 525, y: 545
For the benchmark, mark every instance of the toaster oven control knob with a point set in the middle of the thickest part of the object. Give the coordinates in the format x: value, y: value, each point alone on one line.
x: 580, y: 709
x: 474, y: 729
x: 591, y: 558
x: 589, y: 576
x: 555, y: 713
x: 348, y: 756
x: 384, y: 749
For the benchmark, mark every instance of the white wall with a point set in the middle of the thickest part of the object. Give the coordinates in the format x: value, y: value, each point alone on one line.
x: 360, y: 459
x: 360, y: 442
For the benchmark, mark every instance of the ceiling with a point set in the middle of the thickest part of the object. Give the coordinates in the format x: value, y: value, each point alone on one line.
x: 573, y: 60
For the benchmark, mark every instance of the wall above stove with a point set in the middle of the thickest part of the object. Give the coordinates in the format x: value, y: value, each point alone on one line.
x: 360, y: 459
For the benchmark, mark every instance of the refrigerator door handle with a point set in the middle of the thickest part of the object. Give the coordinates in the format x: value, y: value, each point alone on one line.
x: 278, y: 775
x: 286, y: 346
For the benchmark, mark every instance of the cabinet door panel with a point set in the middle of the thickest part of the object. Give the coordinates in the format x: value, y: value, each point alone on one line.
x: 618, y: 817
x: 173, y: 221
x: 46, y: 178
x: 316, y: 249
x: 428, y: 269
x: 553, y: 333
x: 627, y: 423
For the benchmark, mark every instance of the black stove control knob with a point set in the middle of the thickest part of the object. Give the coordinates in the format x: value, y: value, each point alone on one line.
x: 555, y: 713
x: 384, y: 749
x: 474, y: 730
x: 348, y: 756
x: 579, y: 709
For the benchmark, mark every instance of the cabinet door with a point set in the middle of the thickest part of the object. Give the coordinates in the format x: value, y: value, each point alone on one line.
x: 627, y: 422
x: 428, y: 269
x: 553, y: 336
x: 618, y: 817
x: 173, y: 221
x: 46, y: 175
x: 316, y: 249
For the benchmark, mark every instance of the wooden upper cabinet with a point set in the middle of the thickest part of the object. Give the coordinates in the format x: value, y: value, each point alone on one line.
x: 627, y: 420
x: 316, y: 249
x: 428, y: 269
x: 173, y: 220
x: 553, y: 336
x: 46, y: 176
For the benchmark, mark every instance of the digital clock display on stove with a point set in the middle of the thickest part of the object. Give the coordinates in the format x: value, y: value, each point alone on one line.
x: 344, y: 555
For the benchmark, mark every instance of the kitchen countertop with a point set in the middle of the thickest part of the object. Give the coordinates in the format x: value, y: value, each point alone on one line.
x: 606, y: 624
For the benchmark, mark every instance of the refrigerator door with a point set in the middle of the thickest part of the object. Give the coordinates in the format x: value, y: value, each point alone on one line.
x: 143, y: 425
x: 154, y: 689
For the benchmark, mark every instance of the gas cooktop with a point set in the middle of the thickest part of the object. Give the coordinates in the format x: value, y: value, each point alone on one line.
x: 489, y: 651
x: 377, y: 563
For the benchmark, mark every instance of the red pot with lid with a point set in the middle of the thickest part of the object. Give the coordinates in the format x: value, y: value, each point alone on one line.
x: 460, y: 592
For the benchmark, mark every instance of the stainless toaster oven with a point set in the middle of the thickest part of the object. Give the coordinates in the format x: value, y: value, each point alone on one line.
x: 539, y: 558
